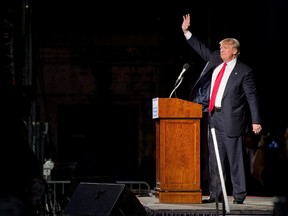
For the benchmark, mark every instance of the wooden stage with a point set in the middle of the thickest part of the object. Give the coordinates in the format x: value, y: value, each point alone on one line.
x: 252, y: 206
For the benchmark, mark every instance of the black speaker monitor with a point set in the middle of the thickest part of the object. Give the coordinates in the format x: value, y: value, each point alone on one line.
x: 102, y: 199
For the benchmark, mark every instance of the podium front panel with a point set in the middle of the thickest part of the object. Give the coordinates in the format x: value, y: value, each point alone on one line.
x: 179, y: 154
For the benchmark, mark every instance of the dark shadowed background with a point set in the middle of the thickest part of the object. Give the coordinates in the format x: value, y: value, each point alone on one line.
x: 87, y: 72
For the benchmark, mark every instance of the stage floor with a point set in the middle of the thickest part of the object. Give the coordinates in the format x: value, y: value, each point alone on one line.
x: 252, y: 206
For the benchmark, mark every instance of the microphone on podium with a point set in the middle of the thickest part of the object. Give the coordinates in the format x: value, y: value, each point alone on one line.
x: 180, y: 78
x: 185, y: 68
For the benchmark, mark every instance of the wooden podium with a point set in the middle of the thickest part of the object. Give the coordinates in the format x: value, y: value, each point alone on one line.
x: 177, y: 150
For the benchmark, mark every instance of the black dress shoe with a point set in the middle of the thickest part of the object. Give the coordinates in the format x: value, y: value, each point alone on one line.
x: 237, y: 201
x: 209, y: 200
x: 212, y: 200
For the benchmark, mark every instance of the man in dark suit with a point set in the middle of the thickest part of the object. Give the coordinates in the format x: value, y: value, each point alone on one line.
x: 236, y: 98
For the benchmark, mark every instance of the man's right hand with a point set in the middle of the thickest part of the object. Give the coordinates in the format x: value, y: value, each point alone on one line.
x: 186, y: 23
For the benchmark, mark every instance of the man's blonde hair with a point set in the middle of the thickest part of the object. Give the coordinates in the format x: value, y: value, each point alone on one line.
x: 232, y: 41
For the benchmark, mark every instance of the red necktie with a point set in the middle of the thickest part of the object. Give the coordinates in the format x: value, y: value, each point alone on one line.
x: 215, y: 87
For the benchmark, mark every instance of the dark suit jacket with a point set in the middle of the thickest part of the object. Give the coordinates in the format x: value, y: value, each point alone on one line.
x: 240, y: 98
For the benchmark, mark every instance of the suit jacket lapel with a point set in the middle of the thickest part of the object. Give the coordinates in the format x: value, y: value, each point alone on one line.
x: 232, y: 78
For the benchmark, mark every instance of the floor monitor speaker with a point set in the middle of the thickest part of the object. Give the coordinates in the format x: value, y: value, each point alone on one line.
x: 103, y: 199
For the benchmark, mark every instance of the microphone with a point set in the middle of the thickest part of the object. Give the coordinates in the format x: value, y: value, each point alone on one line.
x: 185, y: 68
x: 179, y: 79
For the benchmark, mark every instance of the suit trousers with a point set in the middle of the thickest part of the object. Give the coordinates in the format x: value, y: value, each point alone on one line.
x: 231, y: 156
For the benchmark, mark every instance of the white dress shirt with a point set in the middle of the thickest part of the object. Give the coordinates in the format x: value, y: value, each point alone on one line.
x: 229, y: 67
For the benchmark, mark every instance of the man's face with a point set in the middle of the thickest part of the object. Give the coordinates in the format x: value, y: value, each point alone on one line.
x: 227, y: 52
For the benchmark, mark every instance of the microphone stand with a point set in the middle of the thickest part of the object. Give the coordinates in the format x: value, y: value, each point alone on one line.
x: 177, y: 83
